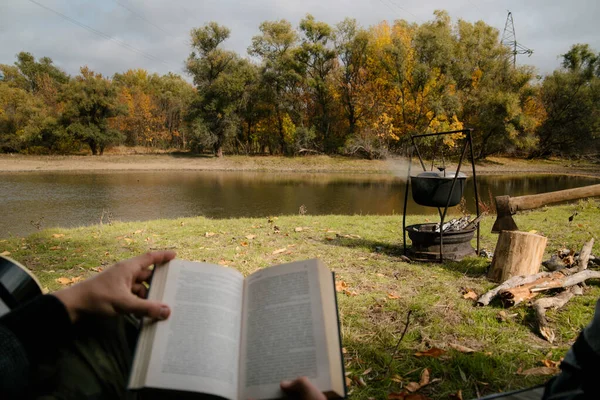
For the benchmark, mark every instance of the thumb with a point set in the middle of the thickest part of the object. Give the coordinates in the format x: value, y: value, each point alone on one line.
x: 145, y: 308
x: 301, y: 388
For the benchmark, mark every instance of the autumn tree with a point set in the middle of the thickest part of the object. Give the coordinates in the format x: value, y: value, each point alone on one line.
x: 173, y: 96
x: 142, y: 124
x: 91, y: 100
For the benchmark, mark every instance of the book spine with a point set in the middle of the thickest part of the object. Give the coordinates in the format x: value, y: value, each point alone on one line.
x: 337, y: 313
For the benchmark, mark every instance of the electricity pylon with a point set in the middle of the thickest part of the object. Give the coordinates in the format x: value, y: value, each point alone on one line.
x: 509, y: 39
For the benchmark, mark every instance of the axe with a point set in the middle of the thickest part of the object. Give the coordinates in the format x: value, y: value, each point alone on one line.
x: 507, y: 206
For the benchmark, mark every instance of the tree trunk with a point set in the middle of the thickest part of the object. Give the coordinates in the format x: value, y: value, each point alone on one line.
x: 517, y: 253
x: 93, y: 147
x: 218, y: 150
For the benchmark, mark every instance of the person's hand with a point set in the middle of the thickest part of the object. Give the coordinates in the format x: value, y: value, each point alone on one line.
x: 301, y: 389
x: 119, y: 289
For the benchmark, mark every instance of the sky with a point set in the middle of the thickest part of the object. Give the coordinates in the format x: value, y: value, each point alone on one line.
x: 154, y: 34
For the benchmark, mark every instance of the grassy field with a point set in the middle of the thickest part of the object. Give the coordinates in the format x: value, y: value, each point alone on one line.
x: 380, y: 289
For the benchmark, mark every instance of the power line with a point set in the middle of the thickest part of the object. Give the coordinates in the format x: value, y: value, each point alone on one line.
x: 389, y: 5
x: 403, y: 9
x: 143, y: 18
x: 102, y: 34
x: 140, y: 16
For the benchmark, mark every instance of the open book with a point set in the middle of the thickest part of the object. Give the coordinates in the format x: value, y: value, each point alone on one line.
x: 238, y: 338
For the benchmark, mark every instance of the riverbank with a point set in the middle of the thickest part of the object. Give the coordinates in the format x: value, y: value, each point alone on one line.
x: 377, y: 289
x: 308, y: 164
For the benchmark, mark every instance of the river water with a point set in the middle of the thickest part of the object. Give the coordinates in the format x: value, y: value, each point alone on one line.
x: 50, y: 199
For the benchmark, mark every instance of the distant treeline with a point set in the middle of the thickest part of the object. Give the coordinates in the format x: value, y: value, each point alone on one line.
x: 318, y: 88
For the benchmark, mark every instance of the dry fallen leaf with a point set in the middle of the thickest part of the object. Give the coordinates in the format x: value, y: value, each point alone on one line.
x: 340, y: 286
x: 250, y: 237
x: 457, y: 396
x: 360, y: 381
x: 244, y: 244
x: 58, y: 235
x: 461, y: 348
x: 64, y: 281
x: 209, y: 234
x: 367, y: 371
x: 412, y: 386
x: 392, y: 295
x: 432, y: 352
x: 539, y: 371
x: 469, y: 294
x: 424, y: 378
x: 348, y: 382
x: 5, y: 253
x: 380, y: 274
x: 279, y: 251
x: 551, y: 364
x: 55, y: 248
x: 298, y: 229
x: 138, y: 231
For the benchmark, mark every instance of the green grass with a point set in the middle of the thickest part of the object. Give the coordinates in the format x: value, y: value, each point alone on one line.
x: 370, y: 265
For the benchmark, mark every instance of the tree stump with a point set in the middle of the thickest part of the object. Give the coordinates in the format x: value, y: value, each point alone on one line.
x: 517, y: 253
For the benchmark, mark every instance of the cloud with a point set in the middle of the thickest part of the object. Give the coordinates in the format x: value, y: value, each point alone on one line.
x: 154, y: 34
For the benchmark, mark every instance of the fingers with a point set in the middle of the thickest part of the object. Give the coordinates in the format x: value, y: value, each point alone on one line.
x: 141, y: 263
x: 139, y: 290
x: 145, y: 308
x: 302, y: 389
x: 153, y: 257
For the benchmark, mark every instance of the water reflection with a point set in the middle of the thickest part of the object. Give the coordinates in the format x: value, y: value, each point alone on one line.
x: 75, y: 199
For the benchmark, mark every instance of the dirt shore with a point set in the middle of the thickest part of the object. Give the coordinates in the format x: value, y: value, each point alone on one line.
x: 157, y: 162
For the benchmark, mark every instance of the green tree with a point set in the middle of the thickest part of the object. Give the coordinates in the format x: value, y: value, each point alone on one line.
x: 351, y: 44
x: 34, y: 70
x: 91, y: 100
x: 220, y: 78
x: 276, y: 46
x: 318, y: 60
x: 571, y: 97
x: 495, y: 97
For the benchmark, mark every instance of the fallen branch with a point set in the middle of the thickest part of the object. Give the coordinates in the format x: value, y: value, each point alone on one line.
x: 515, y: 281
x: 541, y: 305
x: 567, y: 280
x: 584, y: 255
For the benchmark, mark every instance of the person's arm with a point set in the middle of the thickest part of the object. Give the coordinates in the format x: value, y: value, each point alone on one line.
x: 36, y: 329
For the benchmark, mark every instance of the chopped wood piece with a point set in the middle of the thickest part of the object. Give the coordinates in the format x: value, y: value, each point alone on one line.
x: 566, y: 280
x: 541, y: 305
x: 584, y: 255
x: 513, y: 296
x: 517, y: 253
x: 515, y: 281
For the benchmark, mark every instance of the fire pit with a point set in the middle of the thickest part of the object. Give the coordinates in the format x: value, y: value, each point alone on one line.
x: 426, y: 243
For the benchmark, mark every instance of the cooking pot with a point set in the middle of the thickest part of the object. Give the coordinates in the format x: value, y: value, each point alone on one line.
x: 432, y: 189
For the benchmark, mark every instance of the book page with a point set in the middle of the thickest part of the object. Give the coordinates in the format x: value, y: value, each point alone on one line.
x: 283, y: 332
x: 197, y: 348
